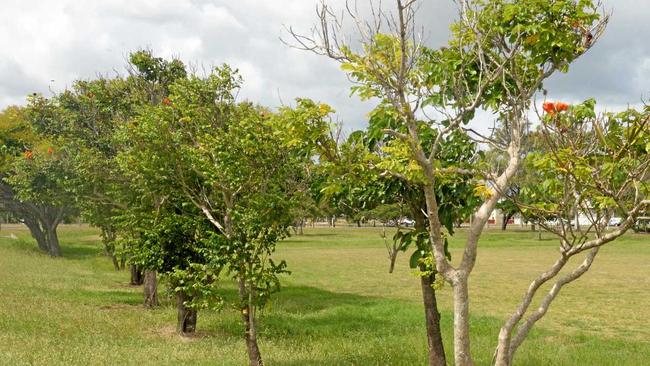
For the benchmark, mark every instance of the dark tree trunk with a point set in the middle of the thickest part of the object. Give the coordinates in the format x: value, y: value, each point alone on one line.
x: 393, y: 258
x: 358, y: 223
x: 116, y: 264
x: 506, y: 219
x: 137, y: 277
x: 151, y: 289
x: 432, y: 320
x: 108, y: 239
x: 436, y: 354
x: 41, y: 220
x: 186, y: 317
x: 53, y: 241
x: 248, y: 318
x: 254, y: 355
x: 37, y: 233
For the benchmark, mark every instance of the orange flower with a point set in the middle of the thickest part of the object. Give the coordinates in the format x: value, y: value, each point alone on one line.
x: 549, y: 107
x: 553, y: 108
x: 561, y: 107
x: 28, y: 154
x: 167, y: 101
x: 50, y: 150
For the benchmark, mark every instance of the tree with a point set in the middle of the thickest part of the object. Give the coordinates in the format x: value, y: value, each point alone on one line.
x: 228, y: 160
x: 84, y: 120
x: 499, y: 54
x: 34, y: 177
x: 364, y: 173
x: 598, y: 166
x: 171, y: 241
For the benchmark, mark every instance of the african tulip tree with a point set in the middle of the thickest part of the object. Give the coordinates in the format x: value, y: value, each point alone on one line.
x: 34, y: 179
x: 84, y: 120
x: 499, y: 54
x: 594, y: 166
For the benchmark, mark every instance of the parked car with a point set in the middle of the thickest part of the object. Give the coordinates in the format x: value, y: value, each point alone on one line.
x: 615, y: 221
x: 406, y: 222
x: 642, y: 225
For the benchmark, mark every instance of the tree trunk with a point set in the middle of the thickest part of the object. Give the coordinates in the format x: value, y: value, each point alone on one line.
x: 248, y: 318
x: 462, y: 354
x: 436, y: 354
x: 116, y: 264
x: 506, y: 219
x: 254, y: 355
x: 53, y: 241
x: 108, y: 240
x: 37, y: 234
x: 392, y: 257
x: 137, y: 278
x: 151, y: 289
x: 432, y: 318
x: 186, y: 317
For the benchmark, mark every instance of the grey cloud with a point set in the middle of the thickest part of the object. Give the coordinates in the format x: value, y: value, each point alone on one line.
x: 15, y: 84
x: 67, y: 39
x: 613, y: 70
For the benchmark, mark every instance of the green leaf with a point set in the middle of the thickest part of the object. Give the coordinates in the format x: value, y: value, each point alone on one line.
x: 415, y: 259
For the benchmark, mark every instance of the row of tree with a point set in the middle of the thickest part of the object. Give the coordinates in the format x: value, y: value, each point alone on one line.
x: 186, y: 181
x: 420, y: 146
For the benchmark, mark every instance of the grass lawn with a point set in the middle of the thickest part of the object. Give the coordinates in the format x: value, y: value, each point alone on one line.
x: 338, y: 307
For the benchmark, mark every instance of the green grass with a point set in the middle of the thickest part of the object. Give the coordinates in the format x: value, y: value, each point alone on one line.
x: 338, y: 307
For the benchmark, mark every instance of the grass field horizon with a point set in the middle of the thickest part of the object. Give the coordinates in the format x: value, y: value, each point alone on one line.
x: 338, y: 307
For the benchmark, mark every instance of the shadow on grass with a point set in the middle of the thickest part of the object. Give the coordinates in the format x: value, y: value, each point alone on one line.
x: 108, y: 298
x: 81, y: 251
x: 302, y: 319
x: 71, y: 246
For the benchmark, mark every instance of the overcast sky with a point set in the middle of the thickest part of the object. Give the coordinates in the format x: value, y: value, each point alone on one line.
x: 45, y: 45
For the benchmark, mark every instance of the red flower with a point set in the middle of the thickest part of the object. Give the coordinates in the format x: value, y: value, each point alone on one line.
x: 50, y: 150
x: 553, y: 108
x: 561, y: 107
x: 28, y: 154
x: 167, y: 101
x: 549, y: 107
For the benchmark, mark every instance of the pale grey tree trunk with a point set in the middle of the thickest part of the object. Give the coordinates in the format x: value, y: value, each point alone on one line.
x: 462, y: 351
